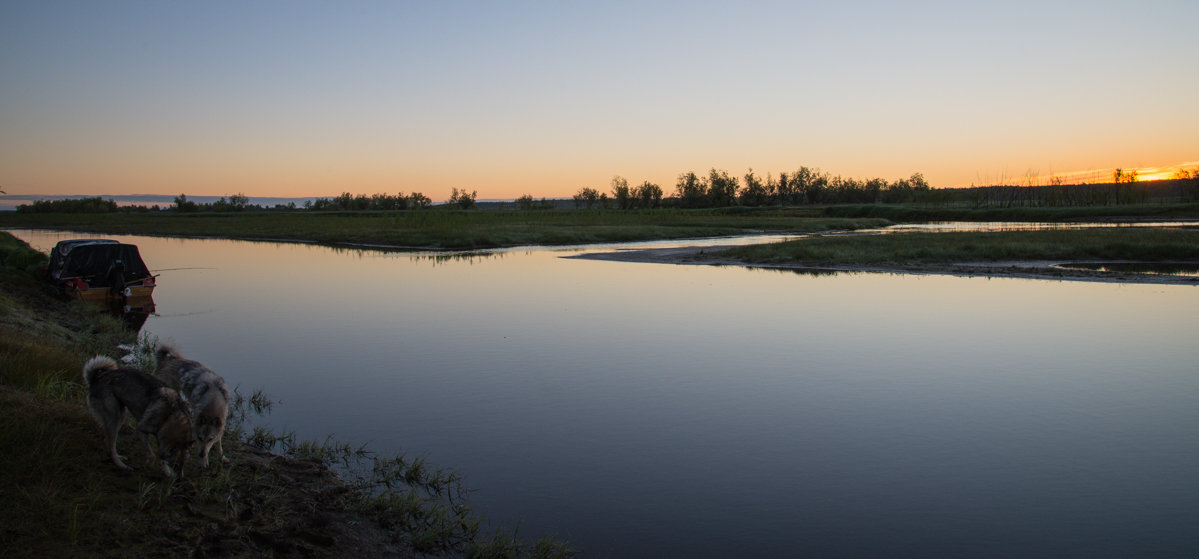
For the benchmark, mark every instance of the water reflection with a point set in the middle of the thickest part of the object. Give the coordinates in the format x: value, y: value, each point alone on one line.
x: 1180, y: 269
x: 470, y: 257
x: 415, y: 255
x: 809, y: 272
x: 1004, y: 226
x: 134, y: 313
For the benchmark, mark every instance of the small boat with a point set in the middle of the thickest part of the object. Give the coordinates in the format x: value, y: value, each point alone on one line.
x: 100, y: 271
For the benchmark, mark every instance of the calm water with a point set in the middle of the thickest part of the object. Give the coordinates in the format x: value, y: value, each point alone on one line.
x: 650, y: 410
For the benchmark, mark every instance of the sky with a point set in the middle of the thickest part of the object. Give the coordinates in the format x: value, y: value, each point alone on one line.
x: 296, y: 98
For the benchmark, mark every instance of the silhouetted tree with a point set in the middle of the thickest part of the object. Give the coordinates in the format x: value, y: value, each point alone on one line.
x: 239, y: 201
x: 722, y: 189
x: 416, y: 201
x: 1120, y: 176
x: 586, y: 197
x: 782, y: 190
x: 464, y: 199
x: 648, y: 195
x: 182, y: 204
x: 691, y: 191
x: 755, y: 192
x: 809, y: 186
x: 621, y: 192
x: 525, y: 202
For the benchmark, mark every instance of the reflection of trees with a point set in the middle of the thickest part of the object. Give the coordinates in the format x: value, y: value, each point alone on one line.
x: 1186, y: 269
x: 417, y: 255
x: 810, y: 272
x: 470, y: 257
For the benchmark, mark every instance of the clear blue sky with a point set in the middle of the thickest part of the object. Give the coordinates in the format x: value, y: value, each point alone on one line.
x: 509, y: 98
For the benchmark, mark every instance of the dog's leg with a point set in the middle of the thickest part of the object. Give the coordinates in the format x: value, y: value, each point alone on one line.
x: 150, y: 425
x: 204, y: 448
x: 108, y: 413
x: 111, y: 423
x: 221, y: 449
x: 166, y: 468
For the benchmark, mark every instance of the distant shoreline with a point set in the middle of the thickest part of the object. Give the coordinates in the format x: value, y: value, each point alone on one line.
x: 1022, y: 269
x: 9, y: 202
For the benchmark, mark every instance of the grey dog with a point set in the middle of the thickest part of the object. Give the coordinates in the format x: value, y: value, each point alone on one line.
x: 205, y: 392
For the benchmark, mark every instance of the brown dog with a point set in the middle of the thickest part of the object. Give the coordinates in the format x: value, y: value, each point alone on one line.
x: 159, y: 411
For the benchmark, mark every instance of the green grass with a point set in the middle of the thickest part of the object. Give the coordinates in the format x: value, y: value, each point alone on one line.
x: 451, y: 229
x: 911, y: 213
x: 1141, y: 244
x: 458, y: 229
x: 56, y: 496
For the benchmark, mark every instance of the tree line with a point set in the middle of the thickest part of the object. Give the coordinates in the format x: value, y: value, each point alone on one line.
x: 718, y: 189
x: 1125, y: 188
x: 361, y: 202
x: 93, y: 205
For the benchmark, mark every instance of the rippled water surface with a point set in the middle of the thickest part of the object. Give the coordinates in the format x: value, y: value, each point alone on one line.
x: 652, y: 410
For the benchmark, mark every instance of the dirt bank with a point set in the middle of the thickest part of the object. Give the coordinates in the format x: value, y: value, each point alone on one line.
x: 1030, y: 269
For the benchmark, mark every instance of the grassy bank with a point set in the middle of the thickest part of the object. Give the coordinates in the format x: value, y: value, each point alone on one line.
x: 456, y: 229
x: 905, y: 249
x: 905, y: 213
x: 450, y: 229
x: 61, y: 496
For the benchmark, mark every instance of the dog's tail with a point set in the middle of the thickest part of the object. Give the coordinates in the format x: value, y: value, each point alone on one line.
x: 167, y: 350
x: 95, y: 365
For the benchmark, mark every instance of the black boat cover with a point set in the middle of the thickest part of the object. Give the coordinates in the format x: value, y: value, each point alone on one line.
x: 96, y: 260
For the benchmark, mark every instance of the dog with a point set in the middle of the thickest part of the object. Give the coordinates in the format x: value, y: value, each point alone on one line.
x: 205, y: 392
x: 159, y: 411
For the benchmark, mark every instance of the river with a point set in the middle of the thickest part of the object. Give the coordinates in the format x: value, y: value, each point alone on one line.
x: 655, y: 410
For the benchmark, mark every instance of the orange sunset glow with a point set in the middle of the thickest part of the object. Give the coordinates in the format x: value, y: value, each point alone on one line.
x: 1089, y: 176
x: 278, y: 99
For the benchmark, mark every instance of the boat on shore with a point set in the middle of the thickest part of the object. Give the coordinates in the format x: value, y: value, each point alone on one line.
x: 100, y: 271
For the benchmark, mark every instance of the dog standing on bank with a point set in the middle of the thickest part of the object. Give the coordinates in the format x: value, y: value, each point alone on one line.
x: 205, y: 392
x: 159, y: 411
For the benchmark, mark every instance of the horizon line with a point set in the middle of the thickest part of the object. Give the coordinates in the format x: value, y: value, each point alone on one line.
x: 1030, y: 178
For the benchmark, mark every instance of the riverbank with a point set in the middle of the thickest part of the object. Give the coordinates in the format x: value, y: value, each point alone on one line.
x: 1097, y: 255
x: 277, y: 496
x: 448, y: 229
